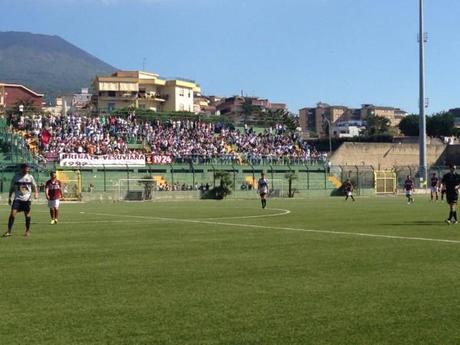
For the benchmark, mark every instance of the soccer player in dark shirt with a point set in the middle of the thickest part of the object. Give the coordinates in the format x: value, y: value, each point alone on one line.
x: 434, y: 186
x: 409, y: 188
x: 451, y: 182
x: 22, y: 186
x: 349, y: 190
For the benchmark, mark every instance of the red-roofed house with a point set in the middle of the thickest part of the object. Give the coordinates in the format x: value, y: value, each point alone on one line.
x: 13, y: 94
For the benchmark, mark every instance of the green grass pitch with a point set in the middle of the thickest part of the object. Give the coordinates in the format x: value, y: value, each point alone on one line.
x: 312, y: 271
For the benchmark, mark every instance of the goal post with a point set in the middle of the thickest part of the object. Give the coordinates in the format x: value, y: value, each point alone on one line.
x: 136, y: 189
x: 385, y: 182
x: 71, y: 184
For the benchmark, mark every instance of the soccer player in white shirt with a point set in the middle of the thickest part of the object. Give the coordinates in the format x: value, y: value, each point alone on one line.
x: 262, y: 187
x: 22, y: 186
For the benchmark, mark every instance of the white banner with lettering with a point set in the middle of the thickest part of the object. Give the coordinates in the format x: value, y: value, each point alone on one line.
x: 87, y: 160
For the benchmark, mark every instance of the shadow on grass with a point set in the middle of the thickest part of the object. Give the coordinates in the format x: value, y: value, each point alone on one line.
x: 417, y: 222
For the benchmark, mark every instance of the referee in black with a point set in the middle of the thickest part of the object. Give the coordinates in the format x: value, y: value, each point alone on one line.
x: 451, y: 183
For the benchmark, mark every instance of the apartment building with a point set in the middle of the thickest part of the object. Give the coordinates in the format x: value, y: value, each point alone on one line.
x: 143, y: 90
x: 315, y: 119
x: 395, y: 115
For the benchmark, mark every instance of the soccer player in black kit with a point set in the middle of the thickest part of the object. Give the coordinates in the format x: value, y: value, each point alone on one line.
x: 451, y: 182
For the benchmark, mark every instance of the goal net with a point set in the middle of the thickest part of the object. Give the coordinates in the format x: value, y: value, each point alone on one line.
x: 278, y: 188
x: 71, y: 184
x: 136, y: 189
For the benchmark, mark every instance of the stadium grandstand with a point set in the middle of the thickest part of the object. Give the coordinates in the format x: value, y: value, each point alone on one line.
x: 112, y: 153
x: 180, y: 155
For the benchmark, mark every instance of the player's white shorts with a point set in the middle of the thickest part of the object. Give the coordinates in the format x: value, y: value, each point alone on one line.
x: 434, y: 189
x: 53, y: 203
x: 349, y: 193
x: 409, y: 192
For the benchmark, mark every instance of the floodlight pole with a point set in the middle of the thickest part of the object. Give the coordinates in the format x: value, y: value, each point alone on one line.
x: 422, y: 118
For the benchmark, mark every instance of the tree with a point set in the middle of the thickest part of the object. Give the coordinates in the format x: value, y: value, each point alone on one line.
x: 409, y: 125
x: 290, y: 176
x: 377, y: 125
x: 247, y: 109
x: 440, y: 124
x: 271, y: 117
x: 223, y: 189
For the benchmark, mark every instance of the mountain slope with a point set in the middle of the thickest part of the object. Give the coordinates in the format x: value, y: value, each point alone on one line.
x: 47, y: 64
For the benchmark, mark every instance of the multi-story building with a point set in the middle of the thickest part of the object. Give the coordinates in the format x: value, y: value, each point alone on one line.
x: 395, y: 115
x: 347, y: 129
x: 81, y: 100
x: 316, y: 119
x: 144, y: 90
x: 243, y: 109
x: 13, y: 95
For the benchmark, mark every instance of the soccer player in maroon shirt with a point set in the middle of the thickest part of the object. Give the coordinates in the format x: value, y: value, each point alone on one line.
x: 409, y: 186
x: 53, y: 195
x: 434, y: 186
x: 349, y: 190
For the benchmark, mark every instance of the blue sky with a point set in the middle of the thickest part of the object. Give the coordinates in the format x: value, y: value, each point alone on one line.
x: 299, y: 52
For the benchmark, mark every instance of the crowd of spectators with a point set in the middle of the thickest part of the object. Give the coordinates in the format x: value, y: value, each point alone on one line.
x: 186, y: 140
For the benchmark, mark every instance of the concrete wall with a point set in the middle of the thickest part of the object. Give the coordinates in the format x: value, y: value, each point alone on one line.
x: 385, y: 155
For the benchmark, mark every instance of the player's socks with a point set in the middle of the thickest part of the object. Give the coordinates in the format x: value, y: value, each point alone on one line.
x: 28, y: 219
x: 10, y: 223
x: 455, y: 215
x: 450, y: 215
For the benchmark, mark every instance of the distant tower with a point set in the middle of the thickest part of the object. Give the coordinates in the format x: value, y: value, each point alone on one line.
x: 422, y: 118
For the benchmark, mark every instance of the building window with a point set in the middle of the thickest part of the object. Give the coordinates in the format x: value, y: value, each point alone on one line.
x: 112, y: 93
x: 110, y: 107
x: 181, y: 92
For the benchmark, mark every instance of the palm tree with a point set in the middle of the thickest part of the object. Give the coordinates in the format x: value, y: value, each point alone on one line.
x: 290, y: 176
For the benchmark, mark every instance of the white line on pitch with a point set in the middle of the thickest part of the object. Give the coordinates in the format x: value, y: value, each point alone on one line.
x: 283, y: 213
x: 254, y: 226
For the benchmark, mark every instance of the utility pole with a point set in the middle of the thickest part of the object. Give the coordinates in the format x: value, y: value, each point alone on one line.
x: 422, y: 118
